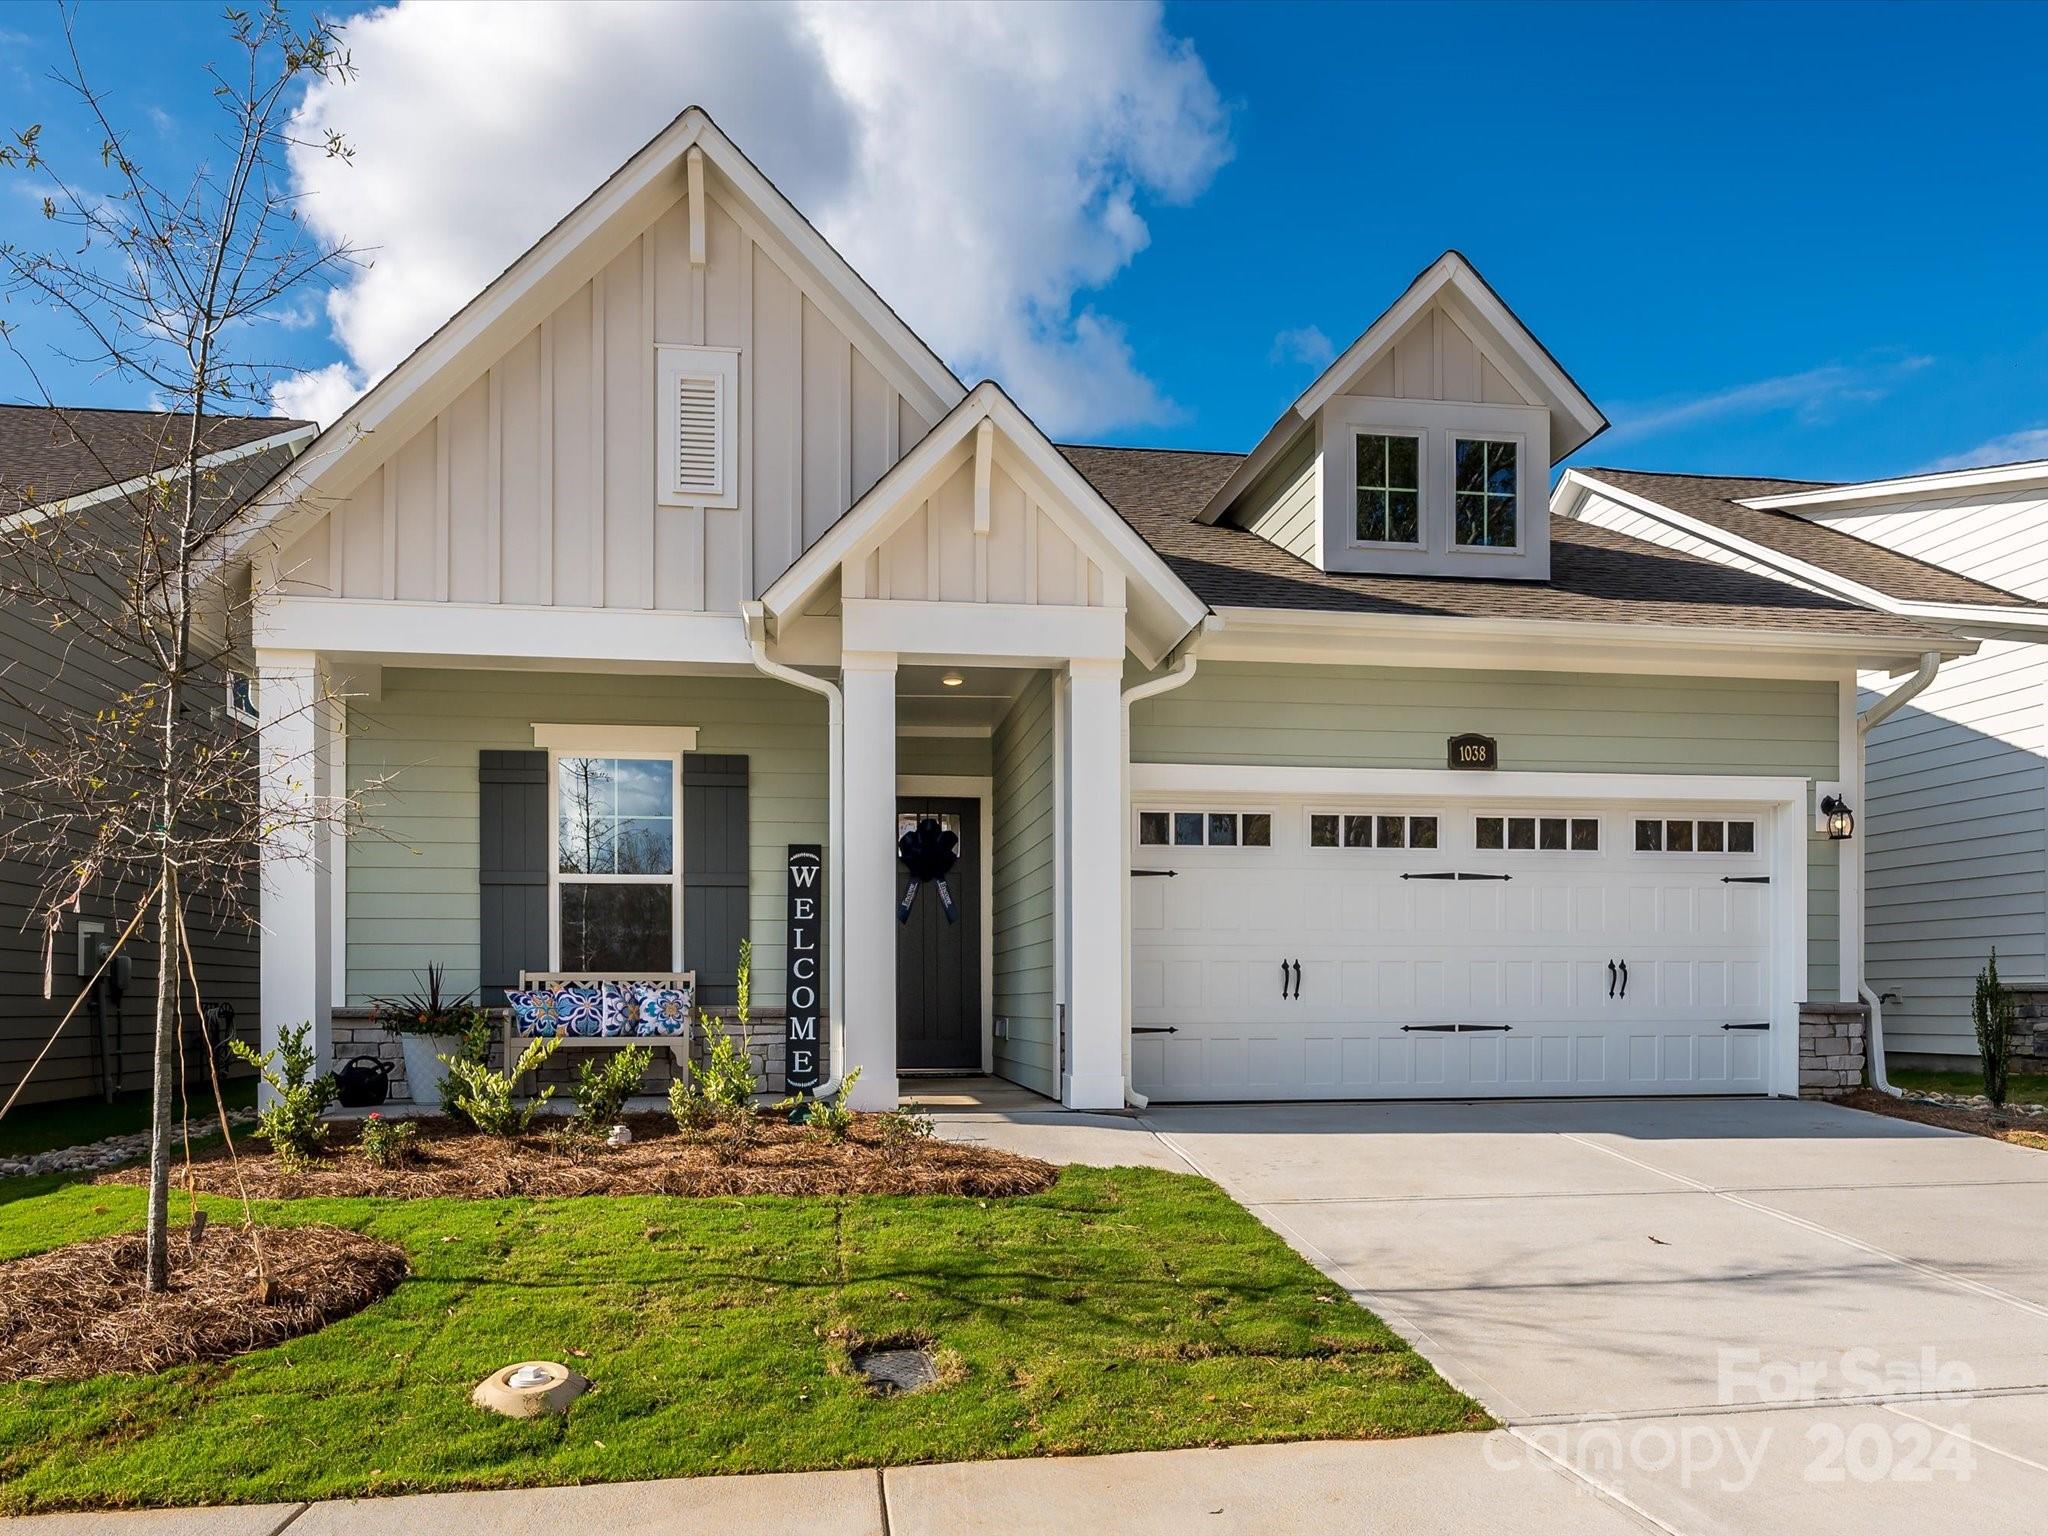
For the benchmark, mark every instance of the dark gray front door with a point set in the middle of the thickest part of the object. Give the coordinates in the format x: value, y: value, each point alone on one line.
x: 938, y: 963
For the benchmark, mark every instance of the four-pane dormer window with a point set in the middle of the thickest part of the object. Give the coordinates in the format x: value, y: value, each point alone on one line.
x: 1389, y: 488
x: 1483, y: 479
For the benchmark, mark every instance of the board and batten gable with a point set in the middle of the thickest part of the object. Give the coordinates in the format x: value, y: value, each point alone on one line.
x: 1957, y: 782
x: 537, y: 484
x: 413, y: 888
x: 1285, y: 714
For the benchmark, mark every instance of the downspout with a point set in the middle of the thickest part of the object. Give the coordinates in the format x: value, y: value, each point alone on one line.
x: 1870, y: 719
x: 1181, y: 672
x: 756, y: 619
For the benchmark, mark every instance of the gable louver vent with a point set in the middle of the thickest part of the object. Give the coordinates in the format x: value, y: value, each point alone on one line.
x: 698, y: 391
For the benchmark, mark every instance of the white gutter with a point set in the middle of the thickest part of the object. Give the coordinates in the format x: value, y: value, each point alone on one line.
x: 1182, y: 673
x: 756, y: 619
x: 1877, y: 714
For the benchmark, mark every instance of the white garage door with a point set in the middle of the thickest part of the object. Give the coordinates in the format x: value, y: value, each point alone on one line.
x: 1410, y: 951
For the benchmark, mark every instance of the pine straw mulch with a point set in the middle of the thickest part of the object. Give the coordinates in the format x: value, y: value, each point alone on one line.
x: 2020, y: 1130
x: 452, y: 1161
x: 81, y: 1310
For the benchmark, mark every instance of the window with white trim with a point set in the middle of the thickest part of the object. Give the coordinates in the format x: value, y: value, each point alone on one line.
x: 617, y: 886
x: 697, y: 433
x: 1389, y: 487
x: 1536, y: 834
x: 1484, y: 493
x: 1205, y: 829
x: 1370, y: 829
x: 1690, y: 834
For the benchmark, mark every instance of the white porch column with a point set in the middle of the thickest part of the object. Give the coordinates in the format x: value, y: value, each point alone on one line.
x: 292, y: 776
x: 1094, y: 1077
x: 868, y: 682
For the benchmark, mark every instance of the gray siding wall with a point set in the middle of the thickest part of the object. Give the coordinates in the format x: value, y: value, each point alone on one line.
x: 1374, y: 717
x: 966, y: 756
x: 413, y: 876
x: 1025, y: 827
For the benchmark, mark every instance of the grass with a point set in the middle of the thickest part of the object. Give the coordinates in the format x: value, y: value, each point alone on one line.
x: 1124, y: 1309
x: 2020, y: 1087
x: 33, y: 1128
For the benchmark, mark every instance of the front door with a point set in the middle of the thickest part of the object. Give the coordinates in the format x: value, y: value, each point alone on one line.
x: 938, y: 958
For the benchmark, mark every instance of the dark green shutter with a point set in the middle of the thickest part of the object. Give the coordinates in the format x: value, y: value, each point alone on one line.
x: 716, y: 843
x: 512, y: 868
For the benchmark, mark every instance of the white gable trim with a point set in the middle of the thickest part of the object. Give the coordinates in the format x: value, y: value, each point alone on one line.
x: 1068, y: 497
x: 561, y: 261
x: 1469, y: 298
x: 1955, y: 482
x: 1569, y: 498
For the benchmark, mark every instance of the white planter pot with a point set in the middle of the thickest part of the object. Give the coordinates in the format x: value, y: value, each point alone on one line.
x: 423, y: 1073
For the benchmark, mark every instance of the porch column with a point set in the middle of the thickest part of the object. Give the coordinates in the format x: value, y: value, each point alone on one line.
x: 868, y: 926
x: 292, y: 773
x: 1094, y: 1076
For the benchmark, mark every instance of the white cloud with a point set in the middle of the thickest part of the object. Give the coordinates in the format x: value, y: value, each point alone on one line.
x: 1304, y: 344
x: 1814, y: 396
x: 2012, y: 448
x: 984, y: 167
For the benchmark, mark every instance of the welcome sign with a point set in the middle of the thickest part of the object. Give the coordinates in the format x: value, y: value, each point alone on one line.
x: 806, y: 899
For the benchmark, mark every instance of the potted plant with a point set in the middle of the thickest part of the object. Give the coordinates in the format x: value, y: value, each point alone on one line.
x: 429, y: 1024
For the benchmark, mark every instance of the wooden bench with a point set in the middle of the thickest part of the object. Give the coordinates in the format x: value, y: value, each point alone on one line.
x: 554, y: 981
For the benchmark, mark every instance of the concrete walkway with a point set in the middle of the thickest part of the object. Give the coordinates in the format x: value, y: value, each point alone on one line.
x: 1693, y: 1317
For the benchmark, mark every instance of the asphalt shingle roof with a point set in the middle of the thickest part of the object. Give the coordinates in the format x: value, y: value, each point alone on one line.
x: 1715, y: 499
x: 1596, y: 575
x: 48, y: 453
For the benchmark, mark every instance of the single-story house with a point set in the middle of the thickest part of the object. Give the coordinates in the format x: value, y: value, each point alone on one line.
x: 1335, y: 769
x: 1955, y: 793
x: 82, y: 465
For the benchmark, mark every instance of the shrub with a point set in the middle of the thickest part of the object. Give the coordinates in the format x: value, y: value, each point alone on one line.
x: 602, y: 1087
x: 292, y: 1125
x: 388, y: 1143
x: 477, y: 1034
x: 487, y: 1099
x: 692, y: 1110
x: 832, y: 1117
x: 1992, y: 1011
x: 902, y: 1129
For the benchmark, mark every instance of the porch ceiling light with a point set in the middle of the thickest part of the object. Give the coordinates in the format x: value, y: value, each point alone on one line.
x: 1841, y: 820
x: 953, y: 680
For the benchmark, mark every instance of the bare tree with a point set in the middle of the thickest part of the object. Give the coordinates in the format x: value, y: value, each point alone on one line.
x: 155, y: 798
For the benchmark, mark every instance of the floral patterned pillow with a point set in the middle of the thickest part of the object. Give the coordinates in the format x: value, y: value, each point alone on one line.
x: 621, y: 1011
x: 535, y: 1012
x: 662, y: 1010
x: 581, y: 1010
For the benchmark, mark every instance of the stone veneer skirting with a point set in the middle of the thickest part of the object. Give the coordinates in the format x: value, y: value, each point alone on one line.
x: 357, y: 1033
x: 1832, y: 1048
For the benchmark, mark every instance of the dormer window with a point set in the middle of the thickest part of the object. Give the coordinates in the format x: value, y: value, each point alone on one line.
x: 1390, y: 488
x: 1485, y: 493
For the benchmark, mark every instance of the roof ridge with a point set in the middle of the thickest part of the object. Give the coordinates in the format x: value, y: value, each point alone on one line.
x: 1694, y: 474
x: 1213, y: 453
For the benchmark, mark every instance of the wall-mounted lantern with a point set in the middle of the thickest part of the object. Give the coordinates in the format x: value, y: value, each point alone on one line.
x: 1841, y: 820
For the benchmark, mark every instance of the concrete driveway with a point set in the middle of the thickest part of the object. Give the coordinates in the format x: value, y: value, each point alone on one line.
x: 1727, y: 1315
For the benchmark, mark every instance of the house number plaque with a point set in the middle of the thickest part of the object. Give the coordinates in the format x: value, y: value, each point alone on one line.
x: 1474, y: 751
x: 806, y: 902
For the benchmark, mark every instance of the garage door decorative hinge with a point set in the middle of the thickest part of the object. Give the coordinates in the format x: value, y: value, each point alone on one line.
x: 1153, y: 874
x: 1745, y: 1026
x: 1745, y: 879
x: 1155, y: 1029
x: 1451, y: 874
x: 1456, y: 1029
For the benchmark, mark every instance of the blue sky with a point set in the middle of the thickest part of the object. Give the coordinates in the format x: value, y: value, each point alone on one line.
x: 1765, y: 239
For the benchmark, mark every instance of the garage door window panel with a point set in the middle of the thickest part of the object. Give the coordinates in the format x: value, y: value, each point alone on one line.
x: 1205, y: 829
x: 1384, y: 830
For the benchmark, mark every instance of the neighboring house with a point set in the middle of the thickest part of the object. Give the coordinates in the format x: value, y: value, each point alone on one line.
x: 1954, y: 815
x: 1340, y: 769
x: 72, y: 461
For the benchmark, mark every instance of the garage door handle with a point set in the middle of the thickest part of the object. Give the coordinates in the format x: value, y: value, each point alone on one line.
x: 1283, y: 978
x: 1610, y: 978
x: 1745, y: 1026
x: 1297, y: 981
x: 1624, y: 978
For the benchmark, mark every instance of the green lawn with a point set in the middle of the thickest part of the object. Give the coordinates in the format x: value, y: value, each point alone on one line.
x: 35, y: 1128
x: 1124, y: 1309
x: 2020, y: 1087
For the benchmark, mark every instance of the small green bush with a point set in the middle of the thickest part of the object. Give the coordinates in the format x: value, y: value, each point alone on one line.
x: 487, y: 1100
x: 388, y: 1143
x: 292, y: 1125
x: 602, y: 1087
x: 902, y: 1129
x: 1993, y: 1012
x: 833, y: 1118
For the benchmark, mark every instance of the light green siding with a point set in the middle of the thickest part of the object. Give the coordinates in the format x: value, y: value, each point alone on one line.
x: 1023, y: 919
x: 967, y: 756
x: 412, y: 874
x: 1368, y: 717
x: 1281, y: 506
